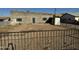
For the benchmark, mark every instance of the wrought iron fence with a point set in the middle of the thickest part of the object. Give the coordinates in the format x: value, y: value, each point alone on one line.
x: 40, y: 40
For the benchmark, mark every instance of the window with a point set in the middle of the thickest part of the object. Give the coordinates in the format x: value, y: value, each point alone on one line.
x: 33, y: 19
x: 1, y: 20
x: 19, y: 19
x: 9, y: 19
x: 44, y: 19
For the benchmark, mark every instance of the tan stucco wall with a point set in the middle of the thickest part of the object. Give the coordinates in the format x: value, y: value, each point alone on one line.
x: 27, y: 17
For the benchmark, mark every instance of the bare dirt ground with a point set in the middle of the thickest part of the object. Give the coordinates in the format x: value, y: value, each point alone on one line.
x: 28, y: 27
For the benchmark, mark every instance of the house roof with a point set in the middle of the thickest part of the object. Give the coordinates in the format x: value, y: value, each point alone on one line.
x: 3, y: 17
x: 67, y: 14
x: 74, y: 13
x: 28, y: 12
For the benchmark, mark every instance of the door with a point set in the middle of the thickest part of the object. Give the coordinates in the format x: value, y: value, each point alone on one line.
x: 33, y: 20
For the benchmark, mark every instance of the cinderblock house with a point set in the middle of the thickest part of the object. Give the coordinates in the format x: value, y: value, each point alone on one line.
x: 21, y: 17
x: 70, y: 18
x: 18, y: 17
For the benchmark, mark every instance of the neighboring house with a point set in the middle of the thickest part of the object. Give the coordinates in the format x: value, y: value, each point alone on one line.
x: 68, y: 18
x: 18, y: 17
x: 76, y: 14
x: 5, y: 20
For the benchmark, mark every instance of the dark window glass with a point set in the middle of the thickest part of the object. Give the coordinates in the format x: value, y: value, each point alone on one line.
x: 19, y: 19
x: 9, y: 19
x: 44, y: 19
x: 33, y: 19
x: 1, y: 20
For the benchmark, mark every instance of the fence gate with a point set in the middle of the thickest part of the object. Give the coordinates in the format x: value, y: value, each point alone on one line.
x: 40, y: 40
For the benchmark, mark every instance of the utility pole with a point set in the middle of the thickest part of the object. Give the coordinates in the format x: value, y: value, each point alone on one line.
x: 53, y: 20
x: 55, y: 12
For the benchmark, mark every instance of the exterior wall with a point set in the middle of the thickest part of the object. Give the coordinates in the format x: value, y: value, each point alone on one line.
x: 77, y: 18
x: 5, y: 22
x: 57, y: 21
x: 27, y: 17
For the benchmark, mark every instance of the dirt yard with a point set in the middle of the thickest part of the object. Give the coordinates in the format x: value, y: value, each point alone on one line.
x: 28, y: 27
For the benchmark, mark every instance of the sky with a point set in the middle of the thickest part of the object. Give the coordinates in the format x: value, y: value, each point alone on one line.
x: 6, y: 11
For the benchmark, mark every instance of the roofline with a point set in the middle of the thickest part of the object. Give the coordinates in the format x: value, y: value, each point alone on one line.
x: 33, y: 12
x: 2, y: 17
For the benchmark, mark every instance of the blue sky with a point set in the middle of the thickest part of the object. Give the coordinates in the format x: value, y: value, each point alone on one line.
x: 6, y: 11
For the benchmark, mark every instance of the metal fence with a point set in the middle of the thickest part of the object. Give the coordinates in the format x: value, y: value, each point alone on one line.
x: 70, y: 25
x: 40, y: 40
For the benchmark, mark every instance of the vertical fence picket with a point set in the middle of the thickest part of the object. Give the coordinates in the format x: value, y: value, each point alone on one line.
x: 42, y: 39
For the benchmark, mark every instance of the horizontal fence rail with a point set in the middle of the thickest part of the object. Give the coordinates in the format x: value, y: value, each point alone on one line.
x: 40, y: 40
x: 70, y: 25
